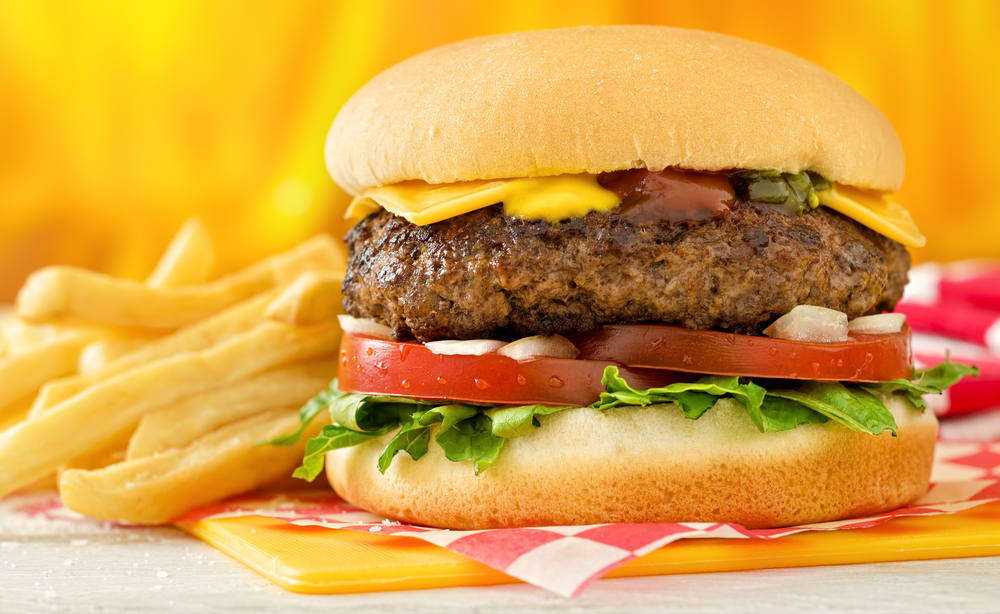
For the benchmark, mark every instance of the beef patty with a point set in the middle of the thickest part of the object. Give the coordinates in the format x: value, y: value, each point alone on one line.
x: 486, y: 275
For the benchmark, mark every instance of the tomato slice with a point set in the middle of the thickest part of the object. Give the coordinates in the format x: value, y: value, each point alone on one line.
x: 864, y: 358
x: 379, y: 367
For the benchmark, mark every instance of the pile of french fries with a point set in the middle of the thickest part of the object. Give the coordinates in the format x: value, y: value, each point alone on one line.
x: 144, y: 400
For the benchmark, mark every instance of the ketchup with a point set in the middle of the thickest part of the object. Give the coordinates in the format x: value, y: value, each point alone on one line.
x: 670, y: 195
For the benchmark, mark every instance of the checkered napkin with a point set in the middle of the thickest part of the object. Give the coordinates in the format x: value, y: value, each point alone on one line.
x: 565, y: 560
x: 955, y: 309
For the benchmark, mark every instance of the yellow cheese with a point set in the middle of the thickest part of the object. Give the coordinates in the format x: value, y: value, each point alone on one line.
x: 562, y: 197
x: 884, y: 216
x: 552, y: 199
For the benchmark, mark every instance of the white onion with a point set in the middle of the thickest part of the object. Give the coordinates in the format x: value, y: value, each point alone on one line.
x: 472, y: 347
x: 881, y: 324
x: 540, y: 346
x: 810, y: 324
x: 362, y: 326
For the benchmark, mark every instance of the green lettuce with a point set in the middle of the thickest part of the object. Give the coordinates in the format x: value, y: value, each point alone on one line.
x: 332, y: 437
x: 411, y: 438
x: 308, y: 411
x: 928, y: 381
x: 476, y: 432
x: 472, y: 440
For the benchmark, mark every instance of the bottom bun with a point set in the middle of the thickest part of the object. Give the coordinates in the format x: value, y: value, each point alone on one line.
x: 652, y: 464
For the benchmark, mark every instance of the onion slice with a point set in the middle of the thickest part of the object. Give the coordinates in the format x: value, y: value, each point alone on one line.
x: 540, y: 346
x: 880, y: 324
x: 810, y: 324
x: 471, y: 347
x: 364, y: 327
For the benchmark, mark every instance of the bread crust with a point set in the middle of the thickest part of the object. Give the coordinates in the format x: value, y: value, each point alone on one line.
x: 590, y: 100
x: 652, y: 465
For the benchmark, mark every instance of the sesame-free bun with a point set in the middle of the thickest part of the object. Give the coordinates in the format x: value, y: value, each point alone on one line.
x: 652, y: 465
x: 595, y: 99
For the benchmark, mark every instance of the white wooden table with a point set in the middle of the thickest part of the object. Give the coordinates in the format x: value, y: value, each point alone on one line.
x: 58, y: 565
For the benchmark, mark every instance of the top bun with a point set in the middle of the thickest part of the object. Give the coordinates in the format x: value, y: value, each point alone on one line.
x: 591, y: 100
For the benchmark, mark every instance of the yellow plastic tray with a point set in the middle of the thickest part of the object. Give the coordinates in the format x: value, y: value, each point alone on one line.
x: 318, y: 560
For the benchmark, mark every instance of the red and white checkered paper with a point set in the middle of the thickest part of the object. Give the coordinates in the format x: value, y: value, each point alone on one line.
x: 565, y: 560
x: 955, y: 309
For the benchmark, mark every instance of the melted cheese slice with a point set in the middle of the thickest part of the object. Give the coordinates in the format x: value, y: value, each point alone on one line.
x: 553, y: 199
x: 882, y: 215
x: 562, y: 197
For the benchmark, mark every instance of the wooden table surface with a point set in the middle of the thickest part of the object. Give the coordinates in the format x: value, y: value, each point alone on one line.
x: 67, y: 565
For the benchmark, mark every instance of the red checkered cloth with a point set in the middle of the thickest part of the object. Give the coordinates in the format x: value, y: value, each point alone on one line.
x: 565, y: 560
x: 955, y: 309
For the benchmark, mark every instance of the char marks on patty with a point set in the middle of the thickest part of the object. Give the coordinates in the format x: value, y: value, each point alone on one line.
x: 486, y: 275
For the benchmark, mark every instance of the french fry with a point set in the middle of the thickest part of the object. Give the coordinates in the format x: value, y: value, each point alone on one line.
x: 234, y: 321
x: 24, y: 373
x: 67, y: 292
x: 97, y: 355
x: 37, y: 446
x: 19, y: 336
x: 313, y: 298
x: 159, y: 488
x: 103, y: 454
x: 189, y: 259
x: 178, y: 425
x: 37, y: 354
x: 14, y: 413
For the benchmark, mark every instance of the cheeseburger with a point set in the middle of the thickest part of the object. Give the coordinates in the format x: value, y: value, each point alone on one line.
x: 622, y: 274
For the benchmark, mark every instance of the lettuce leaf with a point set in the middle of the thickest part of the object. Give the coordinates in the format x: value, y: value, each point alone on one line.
x: 332, y: 437
x: 307, y: 413
x: 411, y: 438
x: 694, y: 399
x: 929, y: 381
x: 360, y: 412
x: 511, y: 422
x: 476, y: 433
x: 855, y: 408
x: 471, y: 439
x: 770, y: 410
x: 777, y: 414
x: 448, y: 415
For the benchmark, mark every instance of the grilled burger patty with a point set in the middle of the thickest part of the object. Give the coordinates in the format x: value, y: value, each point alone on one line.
x: 486, y: 275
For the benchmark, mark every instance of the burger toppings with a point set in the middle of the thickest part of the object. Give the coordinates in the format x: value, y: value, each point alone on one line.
x: 540, y: 346
x: 562, y: 197
x: 364, y: 326
x: 485, y: 274
x: 880, y: 324
x: 472, y: 347
x: 797, y: 192
x: 670, y: 195
x: 810, y: 323
x: 477, y: 432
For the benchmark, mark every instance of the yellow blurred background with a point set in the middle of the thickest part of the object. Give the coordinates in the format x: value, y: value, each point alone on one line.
x: 120, y: 119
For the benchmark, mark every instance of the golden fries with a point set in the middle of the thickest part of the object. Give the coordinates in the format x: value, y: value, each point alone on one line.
x: 28, y: 451
x: 24, y: 373
x: 178, y: 425
x: 58, y: 292
x: 97, y: 355
x: 146, y: 399
x: 189, y: 259
x: 234, y: 321
x: 14, y: 413
x: 313, y: 298
x: 159, y: 488
x: 106, y: 453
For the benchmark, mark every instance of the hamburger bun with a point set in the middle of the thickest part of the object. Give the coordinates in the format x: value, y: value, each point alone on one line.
x: 652, y: 464
x: 592, y: 100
